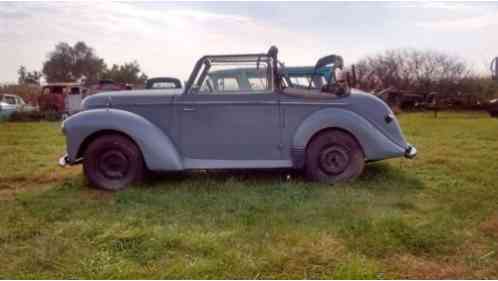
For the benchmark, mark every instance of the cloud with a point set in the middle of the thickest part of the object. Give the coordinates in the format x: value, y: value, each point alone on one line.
x: 466, y: 23
x: 166, y: 40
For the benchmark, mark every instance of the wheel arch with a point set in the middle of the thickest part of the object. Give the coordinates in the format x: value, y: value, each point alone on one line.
x: 157, y: 148
x: 331, y: 129
x: 89, y: 139
x: 374, y: 144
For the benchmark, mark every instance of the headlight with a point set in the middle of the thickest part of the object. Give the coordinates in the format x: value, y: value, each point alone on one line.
x: 493, y: 101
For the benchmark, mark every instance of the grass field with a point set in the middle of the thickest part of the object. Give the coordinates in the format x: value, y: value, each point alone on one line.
x: 433, y: 217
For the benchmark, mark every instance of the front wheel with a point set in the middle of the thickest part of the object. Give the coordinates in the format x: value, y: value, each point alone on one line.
x: 112, y: 162
x: 334, y: 156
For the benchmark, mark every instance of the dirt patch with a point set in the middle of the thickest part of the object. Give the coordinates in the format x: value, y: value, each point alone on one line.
x: 412, y: 267
x: 10, y: 194
x: 490, y: 226
x: 10, y: 186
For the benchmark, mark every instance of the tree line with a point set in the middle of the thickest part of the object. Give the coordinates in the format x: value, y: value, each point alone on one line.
x: 420, y: 71
x: 423, y: 72
x: 80, y: 63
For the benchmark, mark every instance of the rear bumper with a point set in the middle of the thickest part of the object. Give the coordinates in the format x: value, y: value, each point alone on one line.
x: 410, y: 152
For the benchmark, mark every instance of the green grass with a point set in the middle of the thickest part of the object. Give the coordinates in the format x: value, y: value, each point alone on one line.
x: 433, y: 217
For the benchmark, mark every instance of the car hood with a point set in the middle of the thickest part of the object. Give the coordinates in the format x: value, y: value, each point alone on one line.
x: 131, y: 97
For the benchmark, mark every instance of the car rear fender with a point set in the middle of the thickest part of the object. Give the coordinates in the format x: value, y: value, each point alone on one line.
x: 375, y: 145
x: 159, y: 152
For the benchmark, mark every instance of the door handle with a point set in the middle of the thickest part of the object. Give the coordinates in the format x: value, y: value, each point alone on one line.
x: 188, y: 109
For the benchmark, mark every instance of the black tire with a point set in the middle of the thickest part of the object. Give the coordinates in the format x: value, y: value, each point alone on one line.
x: 334, y: 156
x: 113, y: 162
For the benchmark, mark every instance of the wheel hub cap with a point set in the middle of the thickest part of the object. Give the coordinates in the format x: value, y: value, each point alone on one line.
x: 113, y: 164
x: 334, y: 160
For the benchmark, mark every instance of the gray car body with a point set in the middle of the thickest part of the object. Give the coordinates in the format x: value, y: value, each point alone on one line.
x: 176, y: 130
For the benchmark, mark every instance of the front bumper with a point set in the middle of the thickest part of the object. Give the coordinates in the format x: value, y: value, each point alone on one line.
x: 64, y: 161
x: 410, y: 152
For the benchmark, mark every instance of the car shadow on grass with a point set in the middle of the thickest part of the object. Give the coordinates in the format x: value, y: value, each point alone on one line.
x: 382, y: 179
x: 376, y: 176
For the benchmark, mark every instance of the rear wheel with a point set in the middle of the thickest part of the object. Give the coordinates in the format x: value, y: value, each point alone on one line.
x: 334, y: 156
x: 112, y: 162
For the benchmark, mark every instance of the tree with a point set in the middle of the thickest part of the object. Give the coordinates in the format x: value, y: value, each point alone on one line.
x: 71, y: 63
x: 127, y: 73
x: 27, y: 77
x: 411, y: 69
x: 22, y: 74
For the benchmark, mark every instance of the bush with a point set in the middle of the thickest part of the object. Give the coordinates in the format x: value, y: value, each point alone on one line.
x: 26, y: 116
x: 32, y: 116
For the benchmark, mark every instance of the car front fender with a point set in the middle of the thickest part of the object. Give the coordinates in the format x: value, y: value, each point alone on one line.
x: 375, y: 144
x: 159, y: 152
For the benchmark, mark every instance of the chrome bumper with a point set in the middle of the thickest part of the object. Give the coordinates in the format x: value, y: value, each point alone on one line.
x: 410, y: 152
x: 64, y: 161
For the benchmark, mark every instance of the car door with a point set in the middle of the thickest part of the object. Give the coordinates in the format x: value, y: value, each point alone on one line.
x: 234, y: 122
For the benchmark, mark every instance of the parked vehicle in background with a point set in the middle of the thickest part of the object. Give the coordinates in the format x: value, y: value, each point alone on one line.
x: 62, y: 98
x: 163, y: 83
x: 402, y: 100
x: 492, y: 108
x: 492, y: 105
x: 494, y: 69
x: 107, y: 86
x: 221, y: 122
x: 455, y: 100
x: 12, y: 103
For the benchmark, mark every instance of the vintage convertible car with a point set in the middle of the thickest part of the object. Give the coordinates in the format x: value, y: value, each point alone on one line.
x: 235, y: 112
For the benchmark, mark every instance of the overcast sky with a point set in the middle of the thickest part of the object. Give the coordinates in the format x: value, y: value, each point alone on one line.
x: 167, y: 38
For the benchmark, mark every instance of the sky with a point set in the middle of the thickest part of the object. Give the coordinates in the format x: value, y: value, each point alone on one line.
x: 167, y: 38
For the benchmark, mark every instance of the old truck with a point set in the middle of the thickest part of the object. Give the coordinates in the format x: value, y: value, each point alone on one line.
x: 64, y: 99
x: 492, y: 105
x: 227, y: 123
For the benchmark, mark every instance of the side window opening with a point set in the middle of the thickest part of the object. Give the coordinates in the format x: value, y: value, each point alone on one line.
x: 228, y: 84
x: 10, y: 100
x: 258, y: 83
x: 235, y: 75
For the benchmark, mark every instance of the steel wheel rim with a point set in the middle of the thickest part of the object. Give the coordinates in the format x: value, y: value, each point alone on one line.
x: 113, y: 164
x: 334, y: 159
